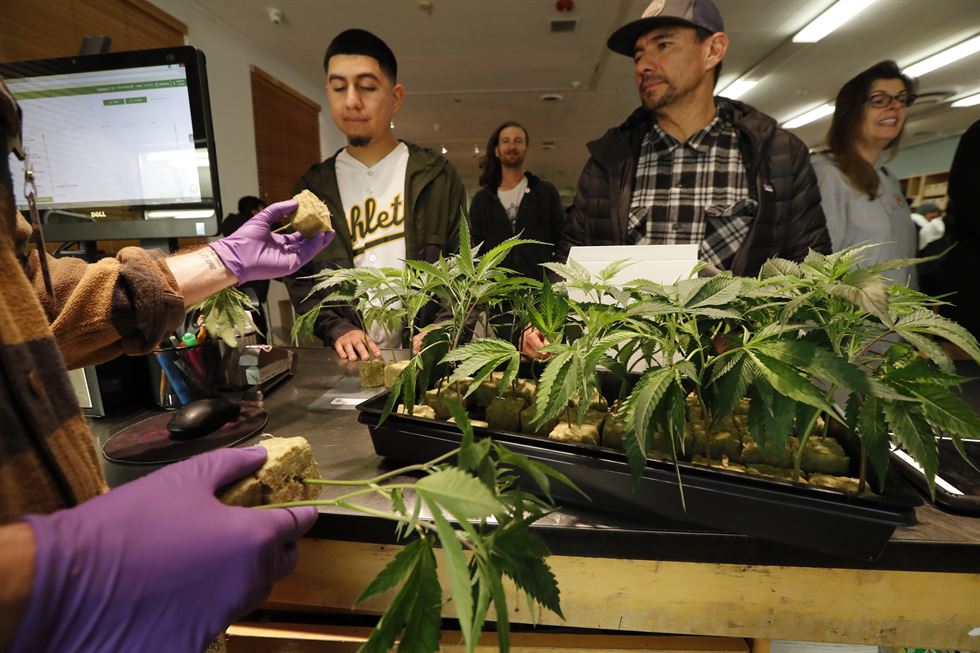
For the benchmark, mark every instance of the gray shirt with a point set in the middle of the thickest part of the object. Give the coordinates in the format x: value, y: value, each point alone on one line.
x: 853, y: 219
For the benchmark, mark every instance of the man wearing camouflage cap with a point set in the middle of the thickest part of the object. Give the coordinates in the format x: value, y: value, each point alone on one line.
x: 688, y: 167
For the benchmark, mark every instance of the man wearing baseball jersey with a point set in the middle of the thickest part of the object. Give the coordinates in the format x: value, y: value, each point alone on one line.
x: 399, y: 201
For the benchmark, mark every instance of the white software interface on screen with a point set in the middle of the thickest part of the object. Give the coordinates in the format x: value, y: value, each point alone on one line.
x: 109, y: 138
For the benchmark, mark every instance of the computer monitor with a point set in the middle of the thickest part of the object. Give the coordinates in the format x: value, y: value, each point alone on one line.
x: 121, y: 145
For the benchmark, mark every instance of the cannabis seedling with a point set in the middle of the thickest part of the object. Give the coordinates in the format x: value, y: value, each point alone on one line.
x: 491, y: 539
x: 227, y: 314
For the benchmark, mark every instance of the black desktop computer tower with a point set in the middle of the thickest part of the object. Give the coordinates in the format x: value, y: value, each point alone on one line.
x: 121, y: 385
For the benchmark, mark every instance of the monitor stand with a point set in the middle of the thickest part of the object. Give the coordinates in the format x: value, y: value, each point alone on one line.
x: 87, y: 251
x: 166, y: 245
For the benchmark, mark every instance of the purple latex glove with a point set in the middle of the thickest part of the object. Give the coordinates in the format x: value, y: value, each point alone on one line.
x: 158, y: 564
x: 254, y: 253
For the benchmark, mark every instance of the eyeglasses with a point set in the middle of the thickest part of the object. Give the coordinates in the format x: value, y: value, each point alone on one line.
x: 880, y: 100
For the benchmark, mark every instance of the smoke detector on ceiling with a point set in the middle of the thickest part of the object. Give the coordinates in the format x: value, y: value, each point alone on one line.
x: 552, y: 97
x: 547, y: 145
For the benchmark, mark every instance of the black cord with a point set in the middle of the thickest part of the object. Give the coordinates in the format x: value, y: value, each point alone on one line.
x: 63, y: 247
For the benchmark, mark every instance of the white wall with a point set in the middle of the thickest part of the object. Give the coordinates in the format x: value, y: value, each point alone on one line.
x: 934, y: 156
x: 229, y: 57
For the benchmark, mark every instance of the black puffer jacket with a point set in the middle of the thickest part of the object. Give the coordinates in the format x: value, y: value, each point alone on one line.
x: 540, y: 217
x: 790, y: 220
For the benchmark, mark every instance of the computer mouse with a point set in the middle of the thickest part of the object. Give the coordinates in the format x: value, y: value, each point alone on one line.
x: 201, y: 417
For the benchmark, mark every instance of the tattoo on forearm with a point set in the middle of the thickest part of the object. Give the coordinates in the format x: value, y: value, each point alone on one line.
x: 214, y: 263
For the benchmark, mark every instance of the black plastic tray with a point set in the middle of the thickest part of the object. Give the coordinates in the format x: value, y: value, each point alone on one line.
x: 809, y: 517
x: 957, y: 483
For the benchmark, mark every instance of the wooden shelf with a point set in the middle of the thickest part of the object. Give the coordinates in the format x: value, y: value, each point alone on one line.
x: 931, y: 187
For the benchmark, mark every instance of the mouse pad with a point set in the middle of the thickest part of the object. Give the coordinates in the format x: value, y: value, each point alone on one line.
x: 149, y: 442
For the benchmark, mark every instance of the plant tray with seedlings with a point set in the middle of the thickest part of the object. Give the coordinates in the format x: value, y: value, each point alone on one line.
x: 754, y: 498
x: 811, y: 344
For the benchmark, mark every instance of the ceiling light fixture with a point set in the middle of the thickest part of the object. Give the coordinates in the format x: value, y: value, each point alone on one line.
x: 968, y: 101
x: 841, y: 12
x: 810, y: 116
x: 737, y: 89
x: 444, y: 150
x: 948, y: 56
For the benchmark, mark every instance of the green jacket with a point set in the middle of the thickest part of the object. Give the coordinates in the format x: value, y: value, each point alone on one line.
x: 434, y: 202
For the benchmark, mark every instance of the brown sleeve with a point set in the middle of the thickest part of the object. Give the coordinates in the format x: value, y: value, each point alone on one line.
x: 121, y: 305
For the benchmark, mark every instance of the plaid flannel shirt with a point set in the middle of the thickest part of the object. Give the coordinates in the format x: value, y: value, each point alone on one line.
x: 692, y: 192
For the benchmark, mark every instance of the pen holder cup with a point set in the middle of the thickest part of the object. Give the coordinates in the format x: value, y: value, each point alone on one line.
x: 179, y: 376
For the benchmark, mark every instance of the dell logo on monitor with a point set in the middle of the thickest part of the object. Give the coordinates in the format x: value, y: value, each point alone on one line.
x: 97, y: 214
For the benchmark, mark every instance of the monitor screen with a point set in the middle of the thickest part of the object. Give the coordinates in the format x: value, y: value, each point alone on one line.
x: 121, y: 144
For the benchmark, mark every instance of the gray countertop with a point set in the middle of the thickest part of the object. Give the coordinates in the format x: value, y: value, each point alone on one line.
x: 303, y: 407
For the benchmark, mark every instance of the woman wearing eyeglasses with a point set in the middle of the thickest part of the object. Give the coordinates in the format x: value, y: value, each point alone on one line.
x: 862, y: 200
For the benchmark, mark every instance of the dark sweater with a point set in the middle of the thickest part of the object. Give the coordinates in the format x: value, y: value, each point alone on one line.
x: 540, y: 217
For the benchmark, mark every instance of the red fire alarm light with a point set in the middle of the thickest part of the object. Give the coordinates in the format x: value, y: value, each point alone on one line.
x: 564, y: 5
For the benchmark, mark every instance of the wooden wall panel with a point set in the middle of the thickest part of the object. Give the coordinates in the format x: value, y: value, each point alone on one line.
x: 287, y: 135
x: 39, y: 29
x: 42, y: 29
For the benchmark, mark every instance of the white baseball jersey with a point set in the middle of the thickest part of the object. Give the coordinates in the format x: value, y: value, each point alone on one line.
x: 374, y: 205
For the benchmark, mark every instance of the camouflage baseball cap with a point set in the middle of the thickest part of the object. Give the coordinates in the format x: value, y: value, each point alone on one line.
x: 692, y: 13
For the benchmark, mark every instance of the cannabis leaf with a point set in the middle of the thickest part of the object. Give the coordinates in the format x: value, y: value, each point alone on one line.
x: 915, y: 435
x: 415, y: 609
x: 458, y: 572
x: 927, y: 322
x: 551, y: 314
x: 819, y: 362
x: 459, y: 493
x: 480, y: 358
x: 227, y: 314
x: 871, y: 428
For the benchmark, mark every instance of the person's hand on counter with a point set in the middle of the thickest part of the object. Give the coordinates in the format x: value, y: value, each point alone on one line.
x: 355, y: 345
x: 419, y: 338
x: 158, y: 563
x: 532, y: 340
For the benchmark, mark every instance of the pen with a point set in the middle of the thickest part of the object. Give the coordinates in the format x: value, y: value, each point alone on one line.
x: 173, y: 376
x: 194, y: 355
x: 194, y: 382
x: 163, y: 385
